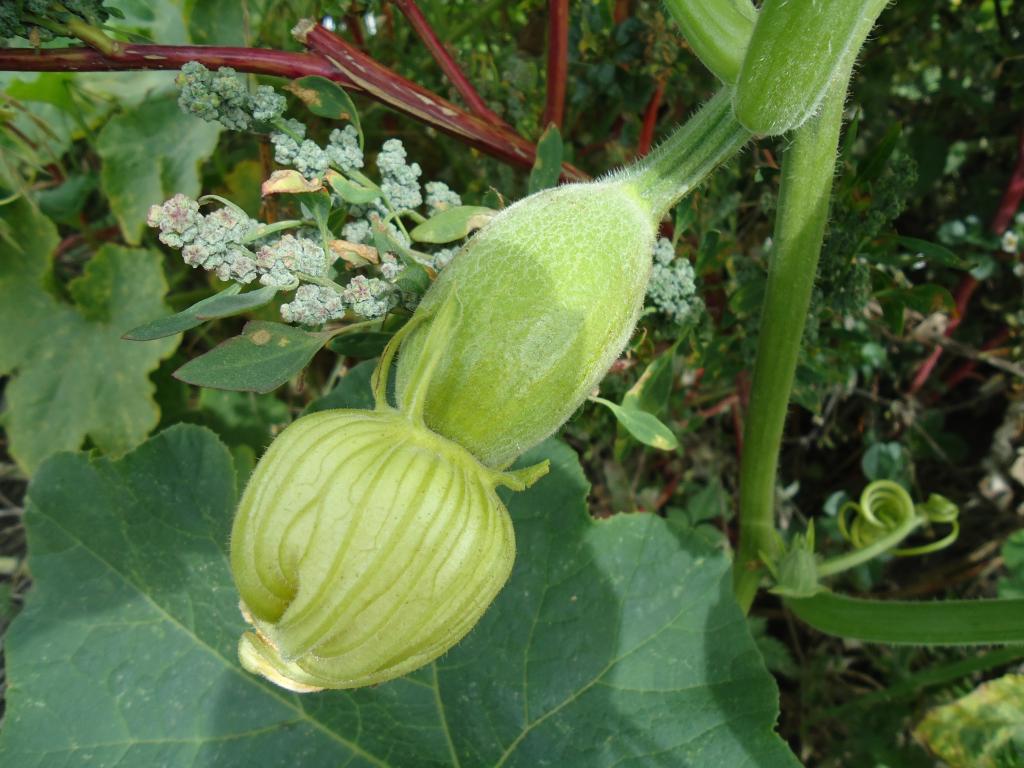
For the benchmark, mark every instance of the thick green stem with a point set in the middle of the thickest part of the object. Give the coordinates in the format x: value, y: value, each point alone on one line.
x: 689, y: 155
x: 807, y: 171
x: 717, y: 30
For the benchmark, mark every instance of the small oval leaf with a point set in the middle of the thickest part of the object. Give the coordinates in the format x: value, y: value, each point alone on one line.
x: 261, y: 359
x: 644, y: 426
x: 452, y: 224
x: 326, y: 98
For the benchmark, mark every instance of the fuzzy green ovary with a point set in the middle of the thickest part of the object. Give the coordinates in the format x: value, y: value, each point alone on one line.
x: 548, y: 295
x: 390, y: 541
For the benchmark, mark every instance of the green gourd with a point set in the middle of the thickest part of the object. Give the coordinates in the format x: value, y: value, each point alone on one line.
x: 550, y: 290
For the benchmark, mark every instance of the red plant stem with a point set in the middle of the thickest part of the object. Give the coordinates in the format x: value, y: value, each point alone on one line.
x: 1014, y: 193
x: 387, y: 87
x: 737, y: 428
x: 666, y: 493
x: 622, y: 11
x: 966, y: 370
x: 722, y: 405
x: 1010, y: 203
x: 963, y: 295
x: 260, y: 61
x: 643, y: 145
x: 400, y: 94
x: 355, y: 28
x: 447, y: 63
x: 558, y: 61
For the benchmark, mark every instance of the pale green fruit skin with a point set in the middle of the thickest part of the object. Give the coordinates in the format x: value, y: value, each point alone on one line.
x: 548, y: 293
x: 364, y: 547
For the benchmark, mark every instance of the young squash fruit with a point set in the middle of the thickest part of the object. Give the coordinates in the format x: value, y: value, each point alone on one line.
x: 551, y: 289
x: 365, y: 545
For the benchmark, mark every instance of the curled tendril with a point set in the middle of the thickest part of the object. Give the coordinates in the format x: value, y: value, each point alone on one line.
x: 886, y: 508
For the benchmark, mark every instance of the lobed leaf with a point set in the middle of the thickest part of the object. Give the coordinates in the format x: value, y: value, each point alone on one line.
x: 72, y: 376
x: 615, y: 643
x: 150, y: 153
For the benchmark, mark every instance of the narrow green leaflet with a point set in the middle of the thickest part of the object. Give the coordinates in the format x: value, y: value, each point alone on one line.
x: 547, y: 166
x: 615, y: 642
x: 261, y: 359
x: 644, y: 426
x: 935, y: 253
x: 452, y: 224
x: 227, y: 303
x: 72, y: 375
x: 984, y: 729
x: 149, y: 154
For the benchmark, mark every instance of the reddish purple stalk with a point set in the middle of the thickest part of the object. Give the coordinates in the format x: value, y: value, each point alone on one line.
x: 558, y: 61
x: 387, y: 87
x: 259, y: 61
x: 447, y: 63
x: 333, y: 59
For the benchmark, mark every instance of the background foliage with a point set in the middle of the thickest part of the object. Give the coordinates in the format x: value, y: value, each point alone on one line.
x: 913, y: 250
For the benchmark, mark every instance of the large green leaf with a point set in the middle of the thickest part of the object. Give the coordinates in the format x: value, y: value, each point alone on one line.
x: 149, y: 154
x: 73, y: 375
x: 614, y: 643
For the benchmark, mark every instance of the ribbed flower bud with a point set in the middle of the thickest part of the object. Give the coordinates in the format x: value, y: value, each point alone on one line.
x: 366, y: 545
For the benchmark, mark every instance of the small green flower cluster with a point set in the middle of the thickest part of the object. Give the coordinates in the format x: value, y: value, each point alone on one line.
x: 222, y: 97
x: 215, y: 242
x: 673, y: 287
x: 235, y: 247
x: 222, y: 242
x: 38, y: 20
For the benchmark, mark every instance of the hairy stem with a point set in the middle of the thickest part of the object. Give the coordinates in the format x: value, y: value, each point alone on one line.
x: 689, y: 155
x: 807, y: 171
